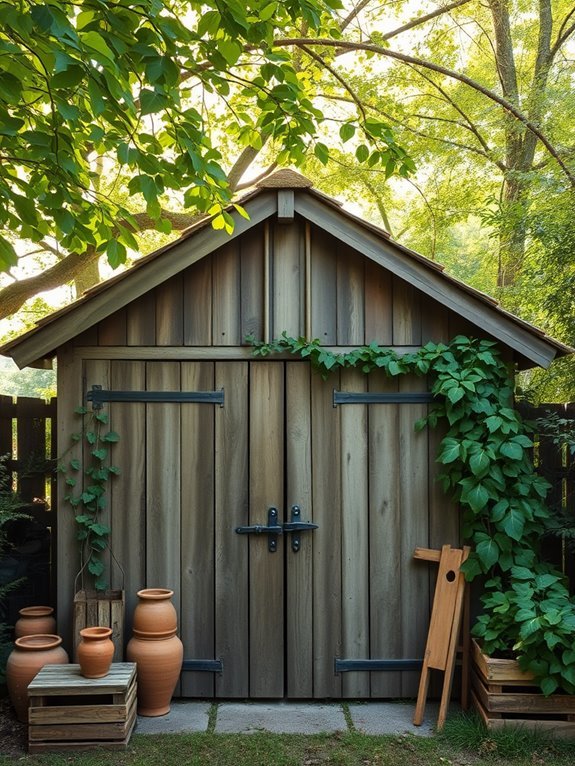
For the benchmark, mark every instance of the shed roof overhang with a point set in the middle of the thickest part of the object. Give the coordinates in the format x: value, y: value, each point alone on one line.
x: 530, y: 344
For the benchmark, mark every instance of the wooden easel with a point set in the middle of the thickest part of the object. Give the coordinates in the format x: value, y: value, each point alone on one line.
x: 445, y: 625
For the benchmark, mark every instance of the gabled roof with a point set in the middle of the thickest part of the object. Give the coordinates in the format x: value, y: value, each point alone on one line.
x: 282, y: 194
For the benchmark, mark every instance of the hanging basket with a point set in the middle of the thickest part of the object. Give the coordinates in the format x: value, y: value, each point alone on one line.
x: 106, y: 609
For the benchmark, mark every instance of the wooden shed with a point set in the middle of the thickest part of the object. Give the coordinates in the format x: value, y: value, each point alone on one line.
x: 291, y: 614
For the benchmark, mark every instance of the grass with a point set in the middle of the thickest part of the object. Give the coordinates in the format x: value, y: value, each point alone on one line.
x: 464, y: 742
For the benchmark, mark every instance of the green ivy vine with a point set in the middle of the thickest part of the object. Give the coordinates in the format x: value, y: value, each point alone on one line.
x: 488, y: 470
x: 86, y: 484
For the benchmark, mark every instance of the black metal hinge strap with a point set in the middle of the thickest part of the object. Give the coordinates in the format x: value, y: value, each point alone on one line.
x: 205, y: 666
x: 344, y: 666
x: 98, y: 396
x: 374, y: 397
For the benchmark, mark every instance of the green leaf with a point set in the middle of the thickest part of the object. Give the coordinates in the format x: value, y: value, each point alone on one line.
x: 488, y: 553
x: 347, y: 131
x: 513, y: 524
x: 151, y: 101
x: 111, y: 436
x: 479, y: 463
x: 321, y: 152
x: 8, y: 257
x: 96, y: 42
x: 477, y: 497
x: 512, y: 450
x: 116, y: 253
x: 548, y: 685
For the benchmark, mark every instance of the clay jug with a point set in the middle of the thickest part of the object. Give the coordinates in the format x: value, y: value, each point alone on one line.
x: 156, y: 650
x: 34, y: 620
x: 155, y: 612
x: 29, y: 655
x: 95, y: 652
x: 159, y: 662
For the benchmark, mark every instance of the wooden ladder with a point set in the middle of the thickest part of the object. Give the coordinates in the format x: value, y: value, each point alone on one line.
x: 450, y: 608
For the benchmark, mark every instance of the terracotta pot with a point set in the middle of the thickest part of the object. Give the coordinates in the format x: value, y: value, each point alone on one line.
x: 35, y: 620
x: 29, y: 655
x: 95, y: 652
x: 159, y: 662
x: 155, y: 613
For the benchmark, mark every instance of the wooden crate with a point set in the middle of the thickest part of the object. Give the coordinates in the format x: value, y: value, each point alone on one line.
x: 104, y: 608
x: 504, y: 695
x: 69, y: 712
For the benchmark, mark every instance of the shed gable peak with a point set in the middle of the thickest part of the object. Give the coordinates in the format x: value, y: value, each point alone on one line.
x: 286, y: 178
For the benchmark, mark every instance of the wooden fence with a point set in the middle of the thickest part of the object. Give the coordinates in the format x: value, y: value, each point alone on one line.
x: 28, y: 438
x: 555, y: 462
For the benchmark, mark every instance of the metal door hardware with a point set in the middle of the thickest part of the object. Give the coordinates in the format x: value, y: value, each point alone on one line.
x: 294, y: 527
x: 272, y: 530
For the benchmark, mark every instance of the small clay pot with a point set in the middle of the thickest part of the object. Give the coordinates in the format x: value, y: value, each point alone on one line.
x: 29, y: 656
x: 95, y: 652
x: 35, y: 620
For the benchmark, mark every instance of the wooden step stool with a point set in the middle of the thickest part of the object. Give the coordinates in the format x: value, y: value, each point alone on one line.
x: 69, y: 712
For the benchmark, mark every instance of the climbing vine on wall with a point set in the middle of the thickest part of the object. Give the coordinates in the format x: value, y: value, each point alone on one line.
x: 487, y: 468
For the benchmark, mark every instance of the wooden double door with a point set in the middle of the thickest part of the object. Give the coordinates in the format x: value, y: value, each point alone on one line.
x: 277, y: 618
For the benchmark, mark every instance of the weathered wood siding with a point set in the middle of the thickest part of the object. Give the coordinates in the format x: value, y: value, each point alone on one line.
x: 293, y: 277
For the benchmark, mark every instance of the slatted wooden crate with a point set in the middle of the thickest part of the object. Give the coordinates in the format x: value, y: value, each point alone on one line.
x: 69, y: 712
x: 504, y: 695
x: 104, y: 608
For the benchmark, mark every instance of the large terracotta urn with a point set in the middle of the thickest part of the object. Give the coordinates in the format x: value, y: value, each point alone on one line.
x: 95, y: 651
x: 34, y: 620
x: 29, y: 656
x: 156, y: 650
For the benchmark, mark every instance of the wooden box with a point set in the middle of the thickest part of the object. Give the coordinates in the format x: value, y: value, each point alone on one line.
x: 69, y: 712
x: 504, y: 695
x: 104, y: 608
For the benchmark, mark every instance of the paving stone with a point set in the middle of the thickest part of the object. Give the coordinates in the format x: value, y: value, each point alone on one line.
x: 280, y: 718
x: 392, y: 718
x: 183, y: 717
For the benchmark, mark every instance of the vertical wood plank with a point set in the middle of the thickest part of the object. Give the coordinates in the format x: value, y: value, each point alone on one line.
x: 31, y: 445
x: 266, y: 490
x: 128, y: 504
x: 231, y: 505
x: 323, y: 287
x: 414, y: 483
x: 299, y: 596
x: 226, y: 306
x: 384, y: 537
x: 350, y: 298
x: 170, y: 312
x: 198, y: 303
x: 71, y: 395
x: 112, y: 330
x: 434, y: 321
x: 252, y: 283
x: 355, y: 540
x: 406, y: 314
x: 288, y: 276
x: 378, y: 305
x: 197, y: 629
x: 141, y: 320
x: 163, y: 478
x: 326, y: 488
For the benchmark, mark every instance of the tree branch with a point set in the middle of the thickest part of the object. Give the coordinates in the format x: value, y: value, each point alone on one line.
x: 423, y: 19
x: 405, y: 58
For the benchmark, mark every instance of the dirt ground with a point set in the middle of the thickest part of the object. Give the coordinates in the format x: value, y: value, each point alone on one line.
x: 13, y: 734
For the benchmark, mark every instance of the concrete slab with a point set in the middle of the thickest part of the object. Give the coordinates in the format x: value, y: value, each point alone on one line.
x: 183, y: 717
x: 392, y: 718
x: 280, y: 718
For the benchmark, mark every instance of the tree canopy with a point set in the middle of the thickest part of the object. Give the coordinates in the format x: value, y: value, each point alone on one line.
x: 121, y: 118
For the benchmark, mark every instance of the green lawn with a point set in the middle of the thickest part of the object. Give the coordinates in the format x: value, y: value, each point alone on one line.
x: 464, y: 743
